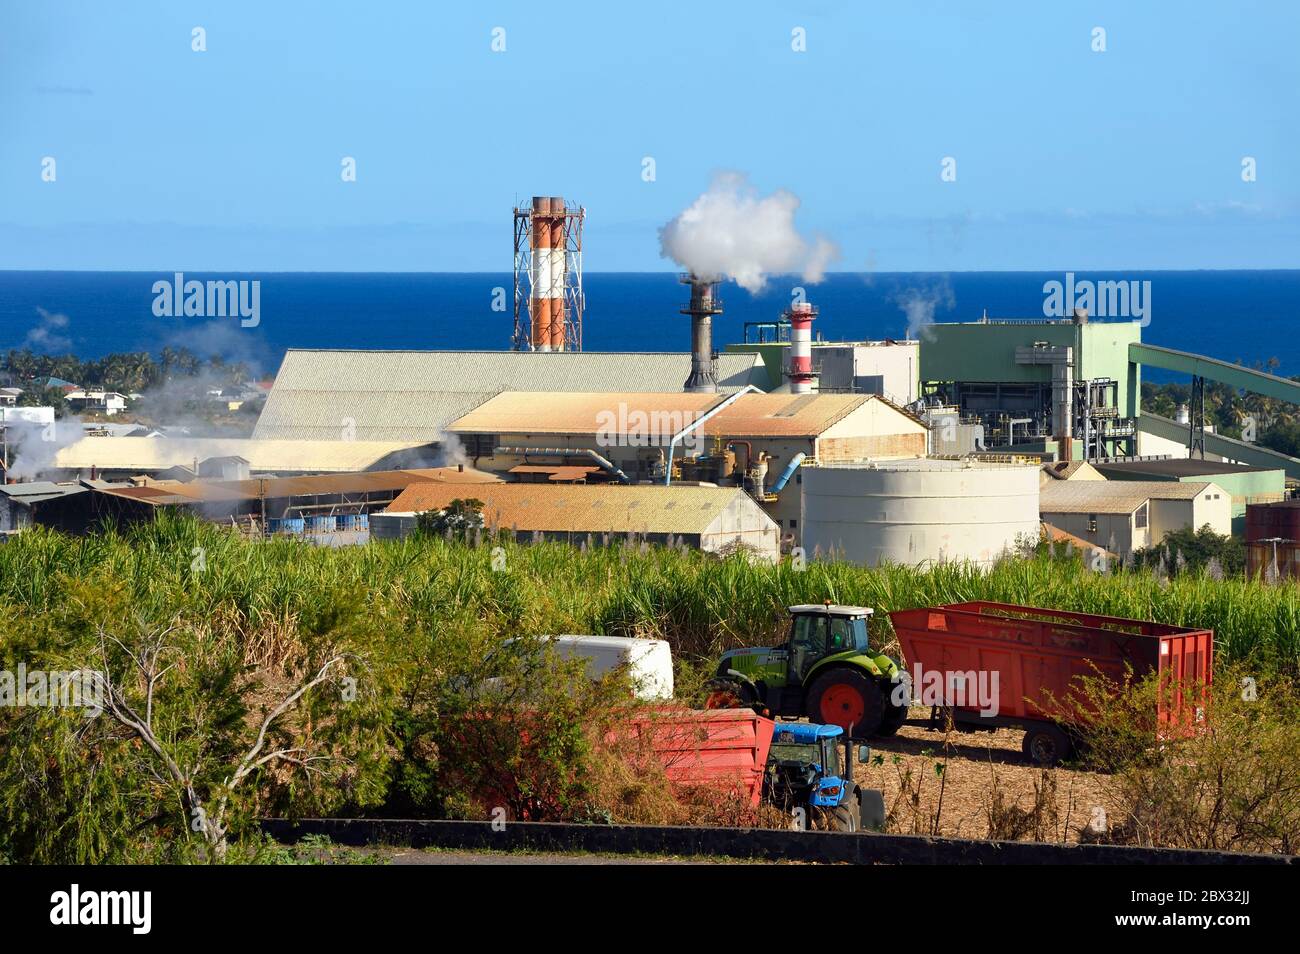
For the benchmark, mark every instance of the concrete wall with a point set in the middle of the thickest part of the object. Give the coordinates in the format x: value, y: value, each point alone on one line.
x: 1213, y: 506
x: 1115, y: 532
x: 744, y: 522
x: 921, y: 514
x: 875, y: 431
x: 855, y: 365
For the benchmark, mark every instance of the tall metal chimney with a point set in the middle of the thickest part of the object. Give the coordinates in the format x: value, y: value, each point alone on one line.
x: 548, y: 259
x: 703, y: 306
x: 546, y: 299
x: 801, y: 316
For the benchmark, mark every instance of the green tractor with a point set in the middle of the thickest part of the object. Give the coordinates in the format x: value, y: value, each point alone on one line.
x: 825, y: 671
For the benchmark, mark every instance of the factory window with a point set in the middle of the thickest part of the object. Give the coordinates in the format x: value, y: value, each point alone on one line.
x: 1092, y: 523
x: 1141, y: 519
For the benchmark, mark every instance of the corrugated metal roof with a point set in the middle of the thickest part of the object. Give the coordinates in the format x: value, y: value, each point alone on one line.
x: 557, y: 472
x: 518, y: 412
x: 660, y: 415
x: 585, y: 508
x: 1112, y: 496
x: 159, y: 453
x: 37, y: 490
x: 195, y: 491
x: 783, y: 415
x: 414, y: 395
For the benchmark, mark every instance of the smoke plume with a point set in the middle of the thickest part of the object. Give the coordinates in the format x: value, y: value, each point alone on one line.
x: 33, y: 447
x: 732, y: 232
x: 919, y: 305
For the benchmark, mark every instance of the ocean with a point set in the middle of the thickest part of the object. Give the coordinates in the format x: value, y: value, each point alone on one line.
x: 1243, y: 316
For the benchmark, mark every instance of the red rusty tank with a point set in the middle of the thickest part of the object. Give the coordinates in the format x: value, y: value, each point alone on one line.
x: 1037, y: 656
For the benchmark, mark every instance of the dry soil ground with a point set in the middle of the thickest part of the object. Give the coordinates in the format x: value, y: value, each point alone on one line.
x: 984, y: 774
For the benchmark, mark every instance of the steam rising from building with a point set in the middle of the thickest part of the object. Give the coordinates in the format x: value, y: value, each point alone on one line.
x: 731, y: 232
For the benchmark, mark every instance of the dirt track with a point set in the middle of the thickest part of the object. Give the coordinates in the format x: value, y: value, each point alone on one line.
x: 977, y: 766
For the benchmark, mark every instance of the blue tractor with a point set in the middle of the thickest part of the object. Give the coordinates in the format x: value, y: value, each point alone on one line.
x: 805, y: 771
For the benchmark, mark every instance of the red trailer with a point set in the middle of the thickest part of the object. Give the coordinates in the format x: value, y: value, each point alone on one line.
x: 1034, y: 656
x: 722, y: 748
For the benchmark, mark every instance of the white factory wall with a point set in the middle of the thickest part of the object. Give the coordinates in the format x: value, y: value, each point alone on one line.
x: 745, y: 524
x: 1213, y: 505
x: 916, y: 515
x: 1116, y: 532
x: 1152, y: 445
x: 850, y: 366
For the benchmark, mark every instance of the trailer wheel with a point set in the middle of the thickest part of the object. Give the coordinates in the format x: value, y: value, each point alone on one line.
x: 847, y: 698
x: 1046, y: 745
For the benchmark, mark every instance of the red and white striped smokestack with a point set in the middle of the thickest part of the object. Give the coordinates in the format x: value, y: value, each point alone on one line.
x: 546, y: 300
x: 559, y: 267
x: 801, y: 370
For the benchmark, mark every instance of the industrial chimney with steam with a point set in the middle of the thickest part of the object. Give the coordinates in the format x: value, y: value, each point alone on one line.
x: 801, y: 374
x: 703, y: 306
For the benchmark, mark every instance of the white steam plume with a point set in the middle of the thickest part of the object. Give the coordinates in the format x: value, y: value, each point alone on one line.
x: 732, y: 232
x: 919, y: 305
x: 33, y: 446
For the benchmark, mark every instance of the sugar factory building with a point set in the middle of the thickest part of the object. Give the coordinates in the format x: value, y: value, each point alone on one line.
x: 880, y: 451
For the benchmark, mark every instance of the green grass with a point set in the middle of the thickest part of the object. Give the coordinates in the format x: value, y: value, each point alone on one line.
x: 701, y: 604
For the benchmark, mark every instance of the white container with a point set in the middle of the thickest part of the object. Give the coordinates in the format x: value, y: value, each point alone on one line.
x: 649, y: 661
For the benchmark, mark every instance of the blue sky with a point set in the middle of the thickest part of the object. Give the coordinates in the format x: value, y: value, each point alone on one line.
x: 229, y: 159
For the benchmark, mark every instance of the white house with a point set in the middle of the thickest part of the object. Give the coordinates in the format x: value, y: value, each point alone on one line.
x: 96, y: 400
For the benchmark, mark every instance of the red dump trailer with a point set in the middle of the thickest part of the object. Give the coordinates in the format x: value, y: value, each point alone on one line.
x: 1001, y: 665
x: 721, y: 748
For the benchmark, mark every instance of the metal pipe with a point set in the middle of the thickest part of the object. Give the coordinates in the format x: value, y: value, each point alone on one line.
x: 677, y: 438
x: 788, y: 472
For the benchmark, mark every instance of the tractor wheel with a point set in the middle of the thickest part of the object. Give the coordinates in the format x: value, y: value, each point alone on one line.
x: 844, y: 817
x: 892, y: 721
x: 1046, y: 745
x: 848, y: 699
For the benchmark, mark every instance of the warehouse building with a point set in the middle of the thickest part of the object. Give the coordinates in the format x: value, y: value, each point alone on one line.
x: 918, y: 512
x: 712, y: 519
x: 411, y: 396
x: 1244, y: 484
x: 316, y: 505
x: 125, y: 457
x: 1127, y: 515
x: 888, y: 368
x: 753, y: 440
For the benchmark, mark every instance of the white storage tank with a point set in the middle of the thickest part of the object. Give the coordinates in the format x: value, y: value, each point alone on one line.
x: 919, y: 511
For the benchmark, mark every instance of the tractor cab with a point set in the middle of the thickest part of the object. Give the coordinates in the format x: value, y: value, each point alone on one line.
x: 806, y: 770
x: 825, y: 670
x: 818, y: 632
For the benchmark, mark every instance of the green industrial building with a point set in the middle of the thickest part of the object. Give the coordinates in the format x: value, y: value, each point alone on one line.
x: 1063, y: 387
